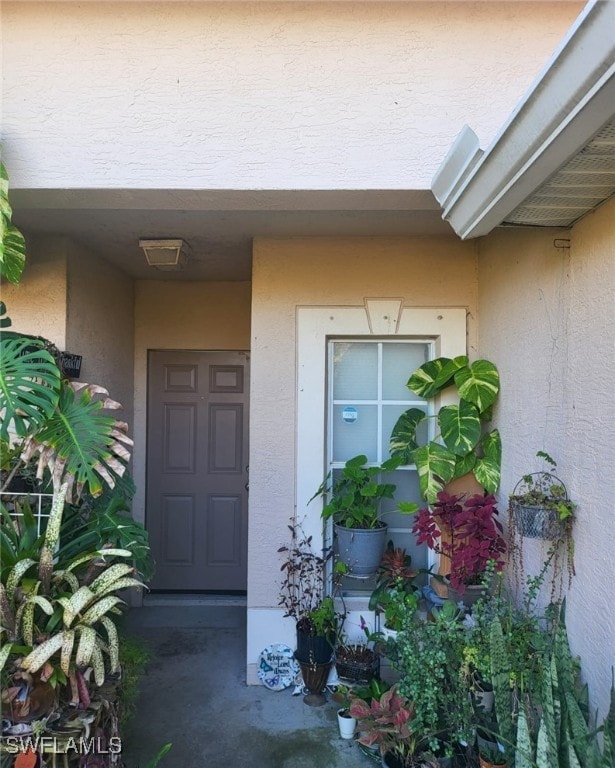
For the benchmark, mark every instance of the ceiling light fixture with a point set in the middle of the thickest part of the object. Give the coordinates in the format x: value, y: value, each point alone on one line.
x: 165, y: 255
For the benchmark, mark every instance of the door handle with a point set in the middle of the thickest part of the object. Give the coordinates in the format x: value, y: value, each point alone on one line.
x: 247, y: 485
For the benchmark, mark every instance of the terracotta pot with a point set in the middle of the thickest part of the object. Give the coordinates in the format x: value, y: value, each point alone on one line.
x: 486, y: 764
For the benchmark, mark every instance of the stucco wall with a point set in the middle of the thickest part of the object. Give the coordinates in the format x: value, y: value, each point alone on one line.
x: 100, y: 324
x: 334, y: 273
x: 260, y: 95
x: 37, y: 305
x: 547, y: 319
x: 181, y: 315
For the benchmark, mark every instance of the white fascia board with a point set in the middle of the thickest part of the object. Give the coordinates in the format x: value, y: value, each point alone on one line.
x: 572, y: 98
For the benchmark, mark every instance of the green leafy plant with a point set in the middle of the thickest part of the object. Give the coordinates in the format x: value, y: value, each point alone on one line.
x: 12, y: 242
x: 134, y: 657
x: 29, y: 385
x: 158, y: 757
x: 465, y: 447
x: 544, y: 489
x: 539, y: 508
x: 354, y: 497
x: 428, y: 656
x: 105, y: 521
x: 63, y: 614
x: 553, y: 727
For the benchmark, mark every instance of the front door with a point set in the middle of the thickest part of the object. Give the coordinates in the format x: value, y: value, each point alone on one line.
x: 197, y: 469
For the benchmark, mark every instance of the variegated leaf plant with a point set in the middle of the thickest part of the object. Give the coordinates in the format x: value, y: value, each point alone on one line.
x: 64, y: 615
x: 461, y: 446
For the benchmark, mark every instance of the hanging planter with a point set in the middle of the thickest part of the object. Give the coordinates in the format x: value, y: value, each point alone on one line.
x: 540, y: 507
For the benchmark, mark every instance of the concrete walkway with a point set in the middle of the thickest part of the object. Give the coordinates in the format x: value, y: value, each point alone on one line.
x: 194, y: 695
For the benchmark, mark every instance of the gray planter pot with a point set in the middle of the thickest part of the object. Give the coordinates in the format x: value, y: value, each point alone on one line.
x: 361, y: 549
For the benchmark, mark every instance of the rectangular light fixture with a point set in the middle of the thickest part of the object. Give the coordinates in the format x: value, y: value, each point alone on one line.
x: 165, y: 255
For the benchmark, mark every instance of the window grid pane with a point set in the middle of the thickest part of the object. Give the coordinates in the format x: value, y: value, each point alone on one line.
x: 364, y: 400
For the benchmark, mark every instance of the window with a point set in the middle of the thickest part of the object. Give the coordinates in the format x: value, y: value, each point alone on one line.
x: 367, y: 393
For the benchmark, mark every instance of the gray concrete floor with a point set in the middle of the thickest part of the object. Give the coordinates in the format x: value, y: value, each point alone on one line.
x: 194, y: 695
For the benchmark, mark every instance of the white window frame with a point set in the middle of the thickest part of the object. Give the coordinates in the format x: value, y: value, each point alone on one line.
x: 409, y: 402
x: 444, y: 326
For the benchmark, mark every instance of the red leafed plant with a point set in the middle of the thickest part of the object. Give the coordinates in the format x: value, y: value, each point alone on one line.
x: 466, y: 531
x: 386, y: 722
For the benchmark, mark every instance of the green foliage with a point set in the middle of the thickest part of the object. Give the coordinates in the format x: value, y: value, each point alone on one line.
x: 79, y: 443
x: 105, y: 521
x: 134, y: 657
x: 158, y: 757
x: 61, y: 615
x: 428, y: 658
x: 355, y: 496
x: 12, y: 242
x: 29, y: 385
x: 464, y: 448
x: 323, y: 618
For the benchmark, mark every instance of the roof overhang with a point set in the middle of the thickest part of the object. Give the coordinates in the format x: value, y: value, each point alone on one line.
x: 572, y: 99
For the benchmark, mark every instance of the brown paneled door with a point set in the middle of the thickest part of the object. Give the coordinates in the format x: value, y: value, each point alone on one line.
x: 197, y: 469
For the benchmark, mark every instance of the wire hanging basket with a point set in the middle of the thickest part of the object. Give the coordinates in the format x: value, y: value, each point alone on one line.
x: 536, y: 504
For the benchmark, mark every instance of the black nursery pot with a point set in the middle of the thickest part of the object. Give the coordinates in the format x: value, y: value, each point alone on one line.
x: 315, y: 649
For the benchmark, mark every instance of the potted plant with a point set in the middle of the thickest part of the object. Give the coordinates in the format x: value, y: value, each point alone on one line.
x: 302, y: 596
x: 358, y: 662
x: 396, y: 593
x: 344, y: 695
x: 353, y: 503
x: 387, y: 723
x: 540, y: 506
x: 468, y: 537
x: 490, y: 755
x: 467, y: 447
x: 428, y: 658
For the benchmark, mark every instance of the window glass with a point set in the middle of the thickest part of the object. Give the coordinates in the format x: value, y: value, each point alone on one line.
x: 377, y: 372
x: 355, y: 431
x: 398, y: 362
x: 355, y: 371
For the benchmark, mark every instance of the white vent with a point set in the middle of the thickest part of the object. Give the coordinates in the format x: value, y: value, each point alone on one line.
x: 580, y: 186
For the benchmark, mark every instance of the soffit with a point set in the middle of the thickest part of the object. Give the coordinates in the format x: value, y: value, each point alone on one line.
x: 558, y: 139
x: 580, y: 186
x: 218, y: 226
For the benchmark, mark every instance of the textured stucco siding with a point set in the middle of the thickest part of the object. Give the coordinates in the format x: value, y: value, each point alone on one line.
x: 547, y: 319
x: 37, y: 305
x: 260, y: 95
x: 334, y: 273
x: 100, y: 325
x: 180, y: 315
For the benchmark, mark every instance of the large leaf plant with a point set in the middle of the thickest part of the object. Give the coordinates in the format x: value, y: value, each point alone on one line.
x: 462, y: 445
x: 59, y: 614
x: 55, y: 610
x: 12, y: 242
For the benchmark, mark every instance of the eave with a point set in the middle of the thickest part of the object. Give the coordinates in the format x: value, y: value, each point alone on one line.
x: 572, y: 100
